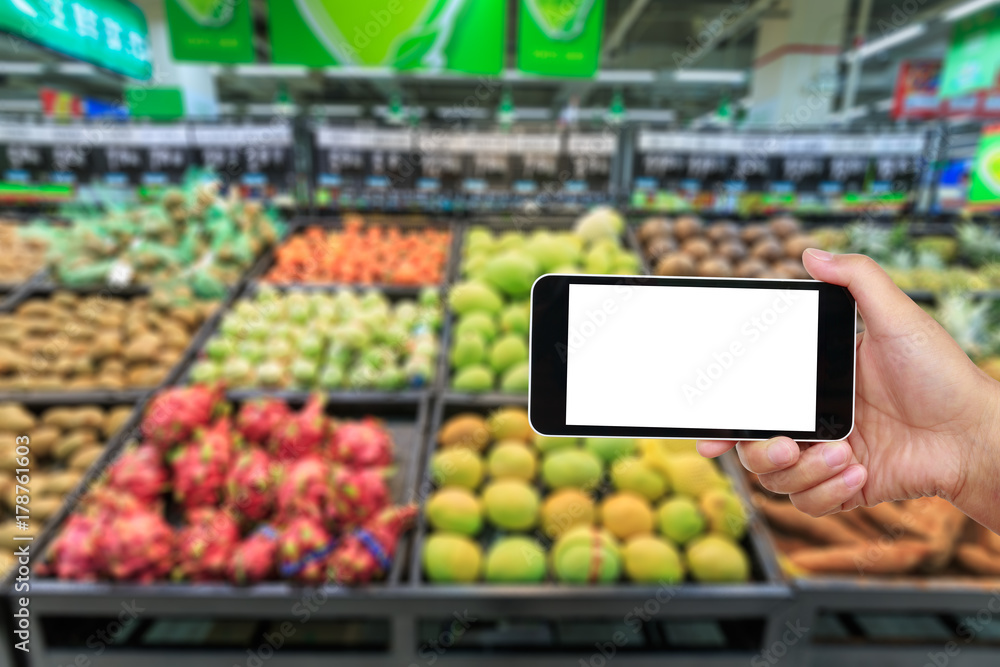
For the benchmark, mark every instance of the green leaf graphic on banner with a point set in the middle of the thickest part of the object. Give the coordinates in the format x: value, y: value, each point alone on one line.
x: 210, y: 13
x: 414, y: 49
x: 560, y: 19
x: 365, y: 33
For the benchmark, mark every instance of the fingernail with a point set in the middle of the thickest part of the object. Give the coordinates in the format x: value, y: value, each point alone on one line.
x: 835, y: 455
x: 821, y: 255
x: 779, y: 452
x: 854, y: 476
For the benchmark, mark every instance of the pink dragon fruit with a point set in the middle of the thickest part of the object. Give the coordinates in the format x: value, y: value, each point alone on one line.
x: 366, y: 553
x: 77, y: 553
x: 303, y: 432
x: 140, y: 472
x: 253, y: 559
x: 305, y: 489
x: 205, y: 546
x: 200, y: 468
x: 138, y: 546
x: 305, y: 546
x: 259, y: 418
x: 250, y: 487
x: 174, y: 414
x: 362, y: 444
x: 358, y: 494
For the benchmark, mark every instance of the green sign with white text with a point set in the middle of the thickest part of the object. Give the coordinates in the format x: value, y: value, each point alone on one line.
x: 215, y: 31
x: 108, y: 33
x: 465, y: 36
x: 973, y: 59
x: 559, y: 37
x: 984, y: 188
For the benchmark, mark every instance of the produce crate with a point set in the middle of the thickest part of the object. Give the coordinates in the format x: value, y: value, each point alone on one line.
x: 331, y: 224
x: 499, y: 225
x: 42, y: 532
x: 180, y: 618
x: 96, y: 394
x: 718, y: 623
x: 861, y: 620
x: 337, y: 396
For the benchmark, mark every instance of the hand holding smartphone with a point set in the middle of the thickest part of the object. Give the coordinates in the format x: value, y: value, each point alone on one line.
x: 704, y: 358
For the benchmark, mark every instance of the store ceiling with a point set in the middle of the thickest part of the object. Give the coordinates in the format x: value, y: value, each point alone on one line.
x: 649, y: 42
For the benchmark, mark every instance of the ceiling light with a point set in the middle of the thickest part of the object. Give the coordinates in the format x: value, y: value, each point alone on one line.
x: 20, y: 68
x: 278, y: 71
x: 967, y: 8
x: 76, y: 69
x: 626, y: 76
x: 889, y: 41
x: 710, y: 76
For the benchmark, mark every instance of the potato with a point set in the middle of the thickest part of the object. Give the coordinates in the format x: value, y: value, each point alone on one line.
x: 15, y: 418
x: 44, y: 439
x: 74, y: 441
x: 83, y: 458
x: 42, y: 509
x: 114, y: 419
x: 62, y: 482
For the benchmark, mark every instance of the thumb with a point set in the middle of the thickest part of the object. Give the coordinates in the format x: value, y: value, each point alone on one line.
x: 883, y: 306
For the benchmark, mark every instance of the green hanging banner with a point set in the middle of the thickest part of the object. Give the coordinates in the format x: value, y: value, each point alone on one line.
x: 108, y: 33
x: 464, y: 36
x: 214, y: 31
x: 559, y: 37
x: 973, y: 59
x: 985, y: 188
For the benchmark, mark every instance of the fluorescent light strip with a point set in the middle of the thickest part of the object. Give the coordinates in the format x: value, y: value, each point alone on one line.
x: 359, y: 72
x: 957, y: 12
x: 710, y: 76
x: 532, y: 113
x: 889, y: 41
x: 282, y: 71
x: 76, y: 69
x: 20, y: 68
x: 626, y: 76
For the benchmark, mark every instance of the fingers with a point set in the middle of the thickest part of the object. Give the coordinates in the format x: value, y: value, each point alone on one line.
x: 884, y: 307
x: 816, y: 464
x: 834, y: 493
x: 768, y: 456
x: 713, y: 448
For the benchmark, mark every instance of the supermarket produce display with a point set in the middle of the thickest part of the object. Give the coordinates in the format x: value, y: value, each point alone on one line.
x: 375, y: 254
x: 79, y: 341
x: 964, y: 261
x: 22, y: 257
x: 491, y: 300
x: 686, y: 246
x: 218, y: 492
x: 341, y: 339
x: 66, y: 441
x: 510, y: 506
x: 191, y: 244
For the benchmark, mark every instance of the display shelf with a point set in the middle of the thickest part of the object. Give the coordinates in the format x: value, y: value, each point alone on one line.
x: 335, y: 223
x: 406, y: 423
x: 528, y: 617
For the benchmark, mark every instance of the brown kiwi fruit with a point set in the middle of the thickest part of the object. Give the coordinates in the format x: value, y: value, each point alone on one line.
x: 732, y: 249
x: 697, y: 249
x: 654, y: 228
x: 794, y: 246
x: 677, y: 264
x: 659, y: 247
x: 766, y: 249
x: 784, y: 227
x: 715, y: 267
x: 750, y: 268
x: 722, y: 230
x: 686, y: 227
x: 751, y: 233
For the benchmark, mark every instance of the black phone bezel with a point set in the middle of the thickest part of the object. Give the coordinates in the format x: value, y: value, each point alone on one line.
x: 549, y: 333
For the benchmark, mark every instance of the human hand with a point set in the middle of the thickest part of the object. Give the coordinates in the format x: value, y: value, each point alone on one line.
x: 927, y: 421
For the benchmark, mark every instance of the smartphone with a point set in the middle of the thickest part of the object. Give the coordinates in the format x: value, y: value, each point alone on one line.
x: 706, y: 358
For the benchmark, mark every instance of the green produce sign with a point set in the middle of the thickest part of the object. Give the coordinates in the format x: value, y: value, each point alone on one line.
x: 464, y: 36
x: 108, y: 33
x: 559, y: 37
x: 985, y: 187
x: 973, y: 59
x: 219, y: 31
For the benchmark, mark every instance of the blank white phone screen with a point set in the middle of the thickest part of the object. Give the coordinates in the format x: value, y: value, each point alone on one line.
x: 692, y: 357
